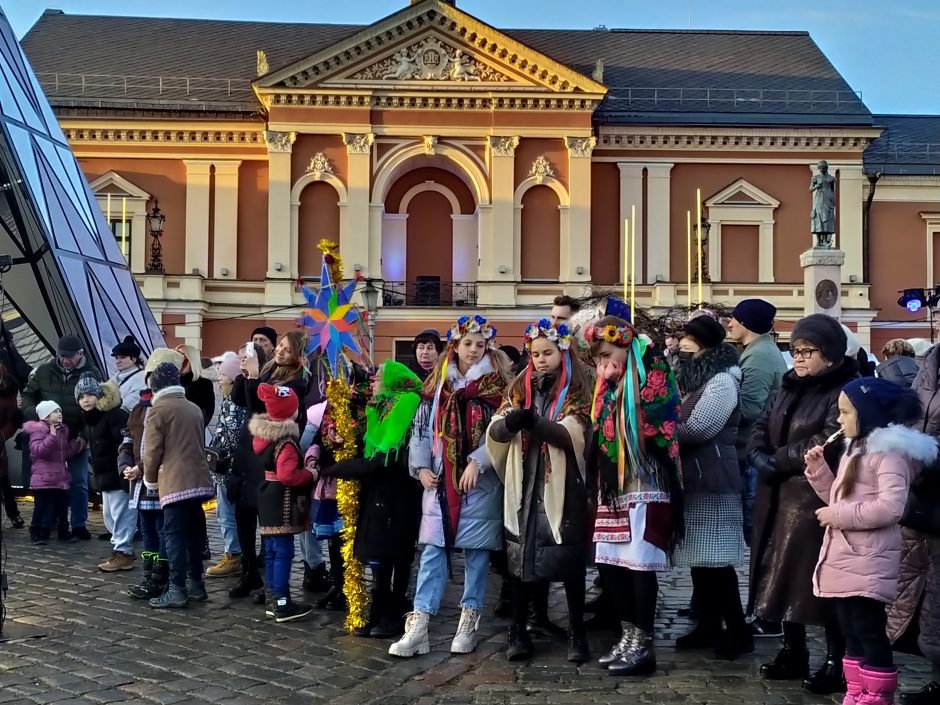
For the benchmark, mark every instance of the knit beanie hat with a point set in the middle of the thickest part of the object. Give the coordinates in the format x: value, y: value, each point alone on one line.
x: 230, y: 365
x: 87, y: 384
x: 823, y: 331
x: 44, y: 408
x: 280, y: 403
x: 706, y: 330
x: 267, y: 332
x: 126, y: 348
x: 880, y: 403
x: 161, y: 355
x: 756, y: 315
x: 165, y: 375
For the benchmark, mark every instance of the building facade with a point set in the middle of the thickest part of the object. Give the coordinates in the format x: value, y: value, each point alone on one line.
x: 466, y: 168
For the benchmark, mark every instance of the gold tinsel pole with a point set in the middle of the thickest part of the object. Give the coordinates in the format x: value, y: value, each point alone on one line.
x: 338, y: 396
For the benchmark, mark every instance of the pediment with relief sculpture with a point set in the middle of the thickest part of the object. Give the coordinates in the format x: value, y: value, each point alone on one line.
x: 430, y: 44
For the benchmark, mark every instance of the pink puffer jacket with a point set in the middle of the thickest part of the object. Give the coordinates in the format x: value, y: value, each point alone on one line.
x: 48, y: 454
x: 861, y: 550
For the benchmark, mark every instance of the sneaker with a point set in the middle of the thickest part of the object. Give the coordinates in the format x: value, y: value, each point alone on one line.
x: 286, y: 610
x: 229, y: 564
x: 761, y: 628
x: 465, y: 640
x: 173, y: 597
x: 117, y: 561
x: 196, y: 592
x: 81, y: 533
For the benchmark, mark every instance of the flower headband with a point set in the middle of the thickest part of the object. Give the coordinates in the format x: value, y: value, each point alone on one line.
x: 621, y: 336
x: 560, y: 335
x: 472, y: 324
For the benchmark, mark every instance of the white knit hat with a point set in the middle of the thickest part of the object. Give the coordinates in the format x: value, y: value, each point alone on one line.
x: 44, y: 408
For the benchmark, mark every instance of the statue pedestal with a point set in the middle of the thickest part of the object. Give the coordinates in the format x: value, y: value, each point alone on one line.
x: 822, y: 274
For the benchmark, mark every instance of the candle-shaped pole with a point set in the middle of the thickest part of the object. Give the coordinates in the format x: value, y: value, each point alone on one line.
x: 109, y: 212
x: 626, y: 259
x: 698, y: 218
x: 124, y: 226
x: 633, y: 264
x: 688, y: 254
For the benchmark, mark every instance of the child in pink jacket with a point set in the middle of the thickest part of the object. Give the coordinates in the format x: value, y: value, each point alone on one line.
x: 861, y: 551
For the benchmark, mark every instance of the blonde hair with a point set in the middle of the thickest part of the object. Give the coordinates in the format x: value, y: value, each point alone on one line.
x: 896, y: 347
x: 502, y: 365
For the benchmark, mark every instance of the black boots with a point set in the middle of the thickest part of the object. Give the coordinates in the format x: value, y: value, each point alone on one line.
x: 578, y: 651
x: 249, y: 582
x: 155, y: 580
x: 377, y: 600
x: 928, y: 695
x: 519, y: 647
x: 828, y: 679
x: 66, y: 535
x: 38, y: 535
x: 392, y: 621
x: 791, y: 663
x: 316, y: 579
x: 335, y: 599
x: 638, y: 659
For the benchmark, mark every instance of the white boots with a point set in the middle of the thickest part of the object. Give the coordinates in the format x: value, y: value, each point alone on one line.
x: 465, y: 640
x: 415, y: 641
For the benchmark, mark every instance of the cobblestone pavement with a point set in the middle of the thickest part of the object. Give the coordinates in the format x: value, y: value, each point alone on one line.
x: 82, y: 640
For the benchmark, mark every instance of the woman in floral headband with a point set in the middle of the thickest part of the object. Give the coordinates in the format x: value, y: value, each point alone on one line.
x: 639, y: 515
x: 463, y: 497
x: 537, y: 443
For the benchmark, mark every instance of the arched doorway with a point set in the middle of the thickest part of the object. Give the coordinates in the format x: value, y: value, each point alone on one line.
x: 541, y: 235
x: 319, y: 218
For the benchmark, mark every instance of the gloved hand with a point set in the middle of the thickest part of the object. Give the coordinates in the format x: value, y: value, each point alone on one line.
x: 515, y: 421
x: 766, y: 467
x: 528, y: 419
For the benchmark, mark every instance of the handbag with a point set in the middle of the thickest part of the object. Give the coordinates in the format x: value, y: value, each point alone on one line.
x: 922, y: 512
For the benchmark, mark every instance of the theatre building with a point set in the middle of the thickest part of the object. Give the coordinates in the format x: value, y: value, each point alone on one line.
x: 467, y: 168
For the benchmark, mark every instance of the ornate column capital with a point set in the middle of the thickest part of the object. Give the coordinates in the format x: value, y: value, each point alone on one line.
x: 279, y: 141
x: 358, y: 143
x: 503, y: 146
x: 580, y: 146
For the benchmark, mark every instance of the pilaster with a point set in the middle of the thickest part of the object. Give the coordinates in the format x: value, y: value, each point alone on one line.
x: 356, y: 248
x: 282, y: 261
x: 851, y: 184
x: 658, y: 232
x: 196, y: 256
x: 576, y: 246
x: 225, y: 242
x: 497, y: 226
x: 631, y: 197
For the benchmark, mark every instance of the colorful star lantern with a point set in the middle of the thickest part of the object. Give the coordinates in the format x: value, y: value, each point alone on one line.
x: 330, y: 317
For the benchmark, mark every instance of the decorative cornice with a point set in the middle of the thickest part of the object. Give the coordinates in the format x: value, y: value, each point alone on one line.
x: 438, y: 100
x: 430, y: 145
x: 738, y: 138
x: 282, y: 142
x: 822, y: 256
x: 358, y: 143
x: 503, y: 146
x: 319, y: 165
x: 240, y: 138
x: 580, y: 146
x: 541, y: 169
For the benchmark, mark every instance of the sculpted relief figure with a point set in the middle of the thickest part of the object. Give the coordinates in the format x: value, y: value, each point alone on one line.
x: 402, y: 68
x: 823, y: 216
x: 462, y: 69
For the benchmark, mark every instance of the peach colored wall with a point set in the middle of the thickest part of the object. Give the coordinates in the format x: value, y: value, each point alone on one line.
x: 605, y: 223
x: 164, y: 179
x: 439, y: 176
x: 220, y: 335
x: 740, y: 253
x: 322, y: 116
x: 553, y: 150
x: 541, y: 235
x: 318, y: 219
x: 306, y: 146
x: 788, y: 183
x: 430, y: 239
x: 387, y: 332
x: 252, y: 220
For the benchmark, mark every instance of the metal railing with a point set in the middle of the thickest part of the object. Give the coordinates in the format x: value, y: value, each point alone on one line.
x: 738, y: 98
x: 86, y: 83
x: 430, y: 294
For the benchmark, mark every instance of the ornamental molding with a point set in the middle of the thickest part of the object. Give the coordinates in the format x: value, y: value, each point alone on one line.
x: 822, y: 257
x: 358, y: 143
x: 399, y: 100
x: 503, y: 146
x: 580, y: 146
x: 691, y: 138
x: 237, y: 138
x: 431, y: 41
x: 430, y: 145
x: 319, y: 166
x: 541, y: 169
x: 279, y: 142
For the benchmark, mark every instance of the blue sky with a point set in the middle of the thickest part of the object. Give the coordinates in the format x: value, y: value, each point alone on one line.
x: 888, y: 51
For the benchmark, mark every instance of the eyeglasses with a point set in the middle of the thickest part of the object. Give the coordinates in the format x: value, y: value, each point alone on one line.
x: 803, y: 353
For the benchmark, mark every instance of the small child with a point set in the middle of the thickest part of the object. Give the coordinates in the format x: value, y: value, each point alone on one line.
x: 327, y: 523
x: 861, y: 551
x: 284, y: 496
x: 49, y: 450
x: 105, y: 421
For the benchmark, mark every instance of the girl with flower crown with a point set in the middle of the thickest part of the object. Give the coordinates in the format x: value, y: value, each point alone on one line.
x: 639, y: 514
x: 463, y: 497
x: 537, y: 444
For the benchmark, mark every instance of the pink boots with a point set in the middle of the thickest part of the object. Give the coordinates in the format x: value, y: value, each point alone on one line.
x: 853, y: 680
x: 878, y: 687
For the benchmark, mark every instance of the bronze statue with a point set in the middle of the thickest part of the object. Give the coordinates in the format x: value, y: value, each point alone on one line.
x: 823, y: 216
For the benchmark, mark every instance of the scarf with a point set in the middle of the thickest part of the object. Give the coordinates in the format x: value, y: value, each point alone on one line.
x: 390, y: 415
x: 460, y: 417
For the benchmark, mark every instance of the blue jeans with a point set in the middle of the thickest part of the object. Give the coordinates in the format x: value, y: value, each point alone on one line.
x: 748, y: 495
x: 432, y: 577
x: 225, y: 514
x: 50, y: 508
x: 310, y: 549
x: 278, y: 556
x: 78, y: 489
x: 151, y: 531
x: 184, y: 540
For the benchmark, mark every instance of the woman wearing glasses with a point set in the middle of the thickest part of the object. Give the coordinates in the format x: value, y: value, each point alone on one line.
x: 787, y: 537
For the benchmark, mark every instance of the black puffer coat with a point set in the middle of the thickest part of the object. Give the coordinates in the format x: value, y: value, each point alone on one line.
x: 533, y: 555
x: 927, y: 386
x: 900, y: 369
x: 787, y: 536
x: 105, y: 430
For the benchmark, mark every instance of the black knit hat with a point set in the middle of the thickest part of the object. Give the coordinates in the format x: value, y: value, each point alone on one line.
x: 126, y: 348
x: 164, y: 375
x: 708, y: 332
x: 88, y: 384
x: 756, y: 315
x: 824, y: 332
x: 267, y: 332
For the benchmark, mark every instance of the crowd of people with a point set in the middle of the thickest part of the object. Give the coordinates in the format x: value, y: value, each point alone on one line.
x: 593, y: 445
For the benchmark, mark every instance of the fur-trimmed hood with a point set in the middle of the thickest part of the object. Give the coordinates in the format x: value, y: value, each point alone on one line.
x: 265, y: 429
x: 903, y: 441
x: 696, y: 373
x: 111, y: 399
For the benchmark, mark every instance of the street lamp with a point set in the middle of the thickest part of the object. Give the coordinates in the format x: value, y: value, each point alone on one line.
x: 706, y: 229
x: 370, y: 295
x: 155, y: 224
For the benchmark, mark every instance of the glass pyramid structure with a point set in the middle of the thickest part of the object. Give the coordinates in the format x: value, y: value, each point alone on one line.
x: 68, y: 275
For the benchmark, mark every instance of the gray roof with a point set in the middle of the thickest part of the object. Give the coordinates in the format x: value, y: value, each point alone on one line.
x: 698, y: 77
x: 910, y: 144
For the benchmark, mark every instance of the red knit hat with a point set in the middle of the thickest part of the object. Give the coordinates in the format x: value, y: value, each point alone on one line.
x: 280, y: 402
